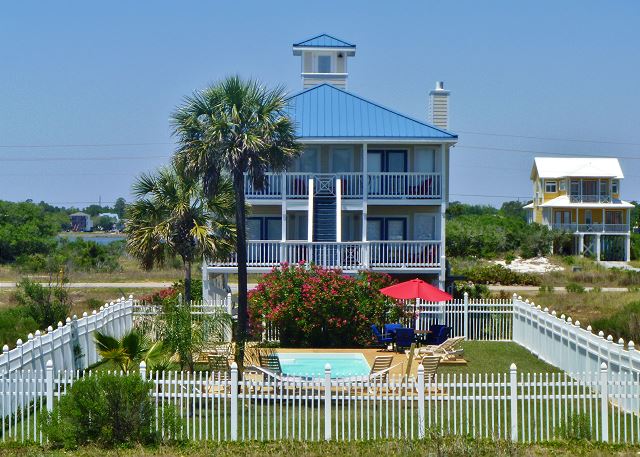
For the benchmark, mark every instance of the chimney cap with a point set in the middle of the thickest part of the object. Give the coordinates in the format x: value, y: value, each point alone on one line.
x: 439, y: 90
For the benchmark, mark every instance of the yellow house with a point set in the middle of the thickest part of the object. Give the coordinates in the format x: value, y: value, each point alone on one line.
x: 582, y: 196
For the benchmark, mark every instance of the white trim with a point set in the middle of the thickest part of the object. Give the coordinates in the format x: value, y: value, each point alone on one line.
x: 338, y: 210
x: 310, y: 212
x: 374, y: 140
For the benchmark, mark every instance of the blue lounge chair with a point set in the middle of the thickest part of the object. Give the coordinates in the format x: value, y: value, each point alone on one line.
x: 440, y: 335
x: 391, y: 328
x: 383, y: 341
x: 404, y: 338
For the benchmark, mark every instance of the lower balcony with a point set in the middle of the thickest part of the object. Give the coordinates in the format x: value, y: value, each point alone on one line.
x: 348, y: 256
x: 592, y: 228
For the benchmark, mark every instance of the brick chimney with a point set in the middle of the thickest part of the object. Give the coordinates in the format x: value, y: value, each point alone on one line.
x: 439, y: 106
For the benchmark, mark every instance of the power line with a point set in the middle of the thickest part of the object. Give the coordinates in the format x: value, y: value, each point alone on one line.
x: 549, y: 138
x: 88, y: 145
x: 531, y: 151
x: 73, y: 159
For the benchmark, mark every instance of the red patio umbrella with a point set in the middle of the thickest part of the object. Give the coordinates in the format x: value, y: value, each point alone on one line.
x: 416, y: 288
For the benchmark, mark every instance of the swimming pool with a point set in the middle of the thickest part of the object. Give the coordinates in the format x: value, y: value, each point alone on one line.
x: 312, y: 364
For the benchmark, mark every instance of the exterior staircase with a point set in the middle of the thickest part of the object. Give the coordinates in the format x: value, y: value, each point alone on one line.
x: 324, y: 218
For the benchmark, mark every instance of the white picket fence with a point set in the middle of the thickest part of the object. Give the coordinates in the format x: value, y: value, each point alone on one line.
x: 525, y: 407
x: 70, y: 346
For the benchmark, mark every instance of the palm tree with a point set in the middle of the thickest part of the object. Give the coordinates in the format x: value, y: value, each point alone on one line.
x: 131, y: 349
x: 229, y: 129
x: 171, y: 216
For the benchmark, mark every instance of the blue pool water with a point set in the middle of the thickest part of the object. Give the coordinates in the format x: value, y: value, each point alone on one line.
x: 312, y: 364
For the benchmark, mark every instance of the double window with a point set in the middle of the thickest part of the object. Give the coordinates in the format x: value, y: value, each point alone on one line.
x: 264, y: 228
x: 550, y: 186
x: 386, y: 228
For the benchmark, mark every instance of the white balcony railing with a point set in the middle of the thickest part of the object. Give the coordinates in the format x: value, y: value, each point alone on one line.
x: 348, y: 256
x: 592, y: 228
x: 578, y: 198
x: 353, y: 185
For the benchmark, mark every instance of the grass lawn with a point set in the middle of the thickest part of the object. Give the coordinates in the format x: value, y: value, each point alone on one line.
x: 585, y: 307
x: 496, y: 357
x: 452, y: 446
x: 83, y: 299
x: 130, y: 272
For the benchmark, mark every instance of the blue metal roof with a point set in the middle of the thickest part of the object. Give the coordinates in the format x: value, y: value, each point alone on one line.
x: 324, y: 41
x: 324, y: 111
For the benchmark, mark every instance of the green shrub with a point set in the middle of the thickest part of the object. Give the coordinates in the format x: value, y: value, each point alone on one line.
x: 316, y: 307
x: 545, y: 289
x: 596, y: 289
x: 475, y: 291
x: 497, y: 274
x: 106, y: 410
x: 574, y: 288
x: 577, y: 428
x: 47, y: 305
x: 624, y: 323
x: 15, y: 323
x: 509, y: 258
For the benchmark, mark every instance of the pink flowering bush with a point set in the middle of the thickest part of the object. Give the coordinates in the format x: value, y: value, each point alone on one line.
x: 316, y: 307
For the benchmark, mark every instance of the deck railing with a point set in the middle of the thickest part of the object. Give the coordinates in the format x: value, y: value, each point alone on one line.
x: 592, y: 228
x: 295, y: 185
x: 355, y: 255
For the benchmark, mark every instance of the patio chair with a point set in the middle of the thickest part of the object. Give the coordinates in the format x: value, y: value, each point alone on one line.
x: 218, y: 363
x: 391, y: 328
x: 404, y: 338
x: 439, y: 334
x: 446, y: 350
x: 430, y: 364
x: 271, y: 363
x: 383, y: 341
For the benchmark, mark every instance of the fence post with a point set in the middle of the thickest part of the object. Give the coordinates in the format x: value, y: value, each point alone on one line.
x: 49, y: 383
x: 604, y: 402
x: 465, y: 325
x: 234, y: 401
x: 421, y: 421
x: 513, y: 371
x: 327, y: 402
x: 143, y: 370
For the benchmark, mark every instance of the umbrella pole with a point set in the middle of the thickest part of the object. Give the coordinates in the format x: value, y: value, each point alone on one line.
x: 416, y: 315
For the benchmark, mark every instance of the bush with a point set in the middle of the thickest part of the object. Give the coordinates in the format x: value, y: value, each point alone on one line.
x: 577, y: 428
x: 15, y: 323
x: 574, y: 288
x: 47, y: 305
x: 107, y: 410
x: 625, y: 323
x: 497, y: 274
x: 316, y: 307
x: 475, y: 291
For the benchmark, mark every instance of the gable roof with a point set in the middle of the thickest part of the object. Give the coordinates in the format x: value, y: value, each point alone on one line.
x: 323, y: 41
x: 578, y: 167
x: 324, y: 111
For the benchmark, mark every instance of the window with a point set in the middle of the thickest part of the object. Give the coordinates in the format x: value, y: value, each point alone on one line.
x: 550, y: 186
x: 613, y: 217
x: 615, y: 184
x: 324, y: 64
x: 563, y: 185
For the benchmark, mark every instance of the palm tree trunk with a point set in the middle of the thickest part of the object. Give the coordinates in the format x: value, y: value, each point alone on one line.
x: 241, y: 252
x: 187, y: 282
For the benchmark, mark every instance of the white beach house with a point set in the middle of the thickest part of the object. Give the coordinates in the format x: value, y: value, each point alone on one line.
x: 370, y: 189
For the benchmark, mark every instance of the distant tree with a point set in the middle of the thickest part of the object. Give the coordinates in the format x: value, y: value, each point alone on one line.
x: 456, y: 209
x: 103, y: 223
x: 25, y: 229
x: 119, y: 207
x: 171, y: 217
x: 514, y: 209
x: 231, y: 129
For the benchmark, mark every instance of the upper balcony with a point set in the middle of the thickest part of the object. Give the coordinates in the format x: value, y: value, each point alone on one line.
x: 580, y: 198
x: 591, y: 228
x: 357, y: 185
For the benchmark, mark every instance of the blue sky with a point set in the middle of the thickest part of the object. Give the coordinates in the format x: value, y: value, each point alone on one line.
x: 86, y: 75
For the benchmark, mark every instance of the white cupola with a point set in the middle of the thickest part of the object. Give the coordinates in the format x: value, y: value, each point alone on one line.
x: 324, y: 60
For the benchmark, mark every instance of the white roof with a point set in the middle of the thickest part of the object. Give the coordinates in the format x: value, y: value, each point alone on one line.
x: 564, y: 202
x: 578, y: 167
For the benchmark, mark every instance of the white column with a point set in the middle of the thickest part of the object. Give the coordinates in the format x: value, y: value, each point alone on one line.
x: 598, y: 247
x: 627, y: 251
x: 444, y: 194
x: 283, y: 215
x: 365, y: 191
x: 310, y: 212
x: 581, y: 244
x: 338, y: 210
